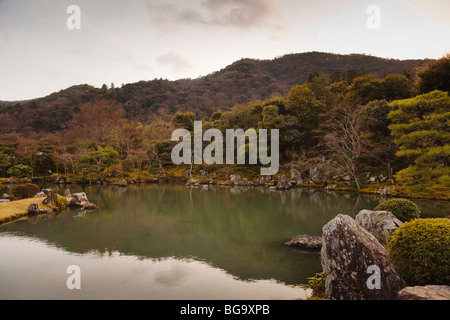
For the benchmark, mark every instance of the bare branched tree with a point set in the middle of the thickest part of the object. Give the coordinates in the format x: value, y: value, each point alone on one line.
x: 343, y: 141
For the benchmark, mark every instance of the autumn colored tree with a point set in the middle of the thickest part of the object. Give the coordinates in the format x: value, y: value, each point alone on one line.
x: 95, y: 121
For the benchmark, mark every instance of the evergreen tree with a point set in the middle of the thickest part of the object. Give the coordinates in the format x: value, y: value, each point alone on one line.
x: 420, y: 128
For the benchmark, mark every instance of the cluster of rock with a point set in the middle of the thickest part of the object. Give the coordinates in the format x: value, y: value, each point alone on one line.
x: 80, y: 201
x: 196, y: 183
x: 352, y: 250
x: 51, y: 203
x: 11, y: 180
x: 378, y: 179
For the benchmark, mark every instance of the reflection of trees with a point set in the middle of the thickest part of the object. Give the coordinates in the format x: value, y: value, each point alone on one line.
x: 240, y: 233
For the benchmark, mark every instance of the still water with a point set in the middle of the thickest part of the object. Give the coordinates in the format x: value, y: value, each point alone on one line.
x: 173, y: 242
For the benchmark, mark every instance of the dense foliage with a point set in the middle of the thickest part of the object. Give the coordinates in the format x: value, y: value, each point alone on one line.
x: 148, y: 101
x: 335, y: 123
x: 421, y: 130
x: 419, y: 251
x: 403, y: 209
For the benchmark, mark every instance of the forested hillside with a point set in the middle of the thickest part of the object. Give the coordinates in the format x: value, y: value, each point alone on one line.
x: 336, y: 126
x: 241, y: 82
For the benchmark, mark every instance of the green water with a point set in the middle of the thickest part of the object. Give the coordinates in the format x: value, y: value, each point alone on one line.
x: 172, y: 242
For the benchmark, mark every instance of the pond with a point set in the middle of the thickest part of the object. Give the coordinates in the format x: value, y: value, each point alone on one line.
x: 173, y: 242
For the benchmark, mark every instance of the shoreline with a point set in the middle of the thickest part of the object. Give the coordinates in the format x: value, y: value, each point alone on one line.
x: 15, y: 210
x: 18, y: 209
x: 373, y: 189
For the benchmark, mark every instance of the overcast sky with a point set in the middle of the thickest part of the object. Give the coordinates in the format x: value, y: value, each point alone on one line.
x: 125, y: 41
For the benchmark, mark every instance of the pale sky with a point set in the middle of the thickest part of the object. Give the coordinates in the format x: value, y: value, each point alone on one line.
x: 125, y: 41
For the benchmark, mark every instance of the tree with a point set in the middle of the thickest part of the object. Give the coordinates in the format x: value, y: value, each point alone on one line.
x: 184, y: 120
x: 367, y: 88
x: 29, y: 151
x: 45, y: 151
x: 343, y: 141
x: 161, y: 152
x: 4, y: 162
x: 96, y: 162
x: 288, y: 126
x: 302, y: 104
x: 381, y: 154
x: 396, y: 86
x: 435, y: 76
x: 420, y: 128
x: 320, y: 86
x: 139, y: 157
x: 95, y: 121
x: 20, y: 171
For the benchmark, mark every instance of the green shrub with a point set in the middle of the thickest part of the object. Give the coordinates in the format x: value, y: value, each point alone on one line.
x: 62, y: 202
x: 403, y: 209
x: 317, y: 284
x: 19, y: 171
x: 420, y: 250
x: 24, y: 191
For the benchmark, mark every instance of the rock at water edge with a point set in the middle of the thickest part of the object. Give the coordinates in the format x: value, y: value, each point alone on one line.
x: 348, y: 250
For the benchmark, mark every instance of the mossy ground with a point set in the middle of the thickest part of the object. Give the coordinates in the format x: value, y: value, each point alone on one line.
x: 16, y: 209
x: 13, y: 210
x: 433, y: 192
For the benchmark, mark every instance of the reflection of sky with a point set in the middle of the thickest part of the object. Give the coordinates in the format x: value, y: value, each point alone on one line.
x: 31, y: 269
x: 127, y: 41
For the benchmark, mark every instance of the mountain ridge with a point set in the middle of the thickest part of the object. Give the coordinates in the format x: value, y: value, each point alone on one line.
x: 242, y: 81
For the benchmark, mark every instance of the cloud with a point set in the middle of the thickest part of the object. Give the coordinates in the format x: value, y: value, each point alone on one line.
x: 169, y: 16
x: 175, y: 61
x: 240, y: 14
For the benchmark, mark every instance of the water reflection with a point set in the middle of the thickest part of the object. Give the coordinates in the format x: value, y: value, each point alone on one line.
x: 32, y: 269
x: 238, y: 231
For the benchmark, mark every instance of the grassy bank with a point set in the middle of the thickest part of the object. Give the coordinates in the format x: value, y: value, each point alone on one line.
x: 13, y: 210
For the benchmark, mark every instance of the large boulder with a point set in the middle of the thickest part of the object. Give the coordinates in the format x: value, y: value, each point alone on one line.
x: 80, y: 200
x: 305, y: 242
x: 349, y: 256
x: 425, y: 293
x: 381, y: 224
